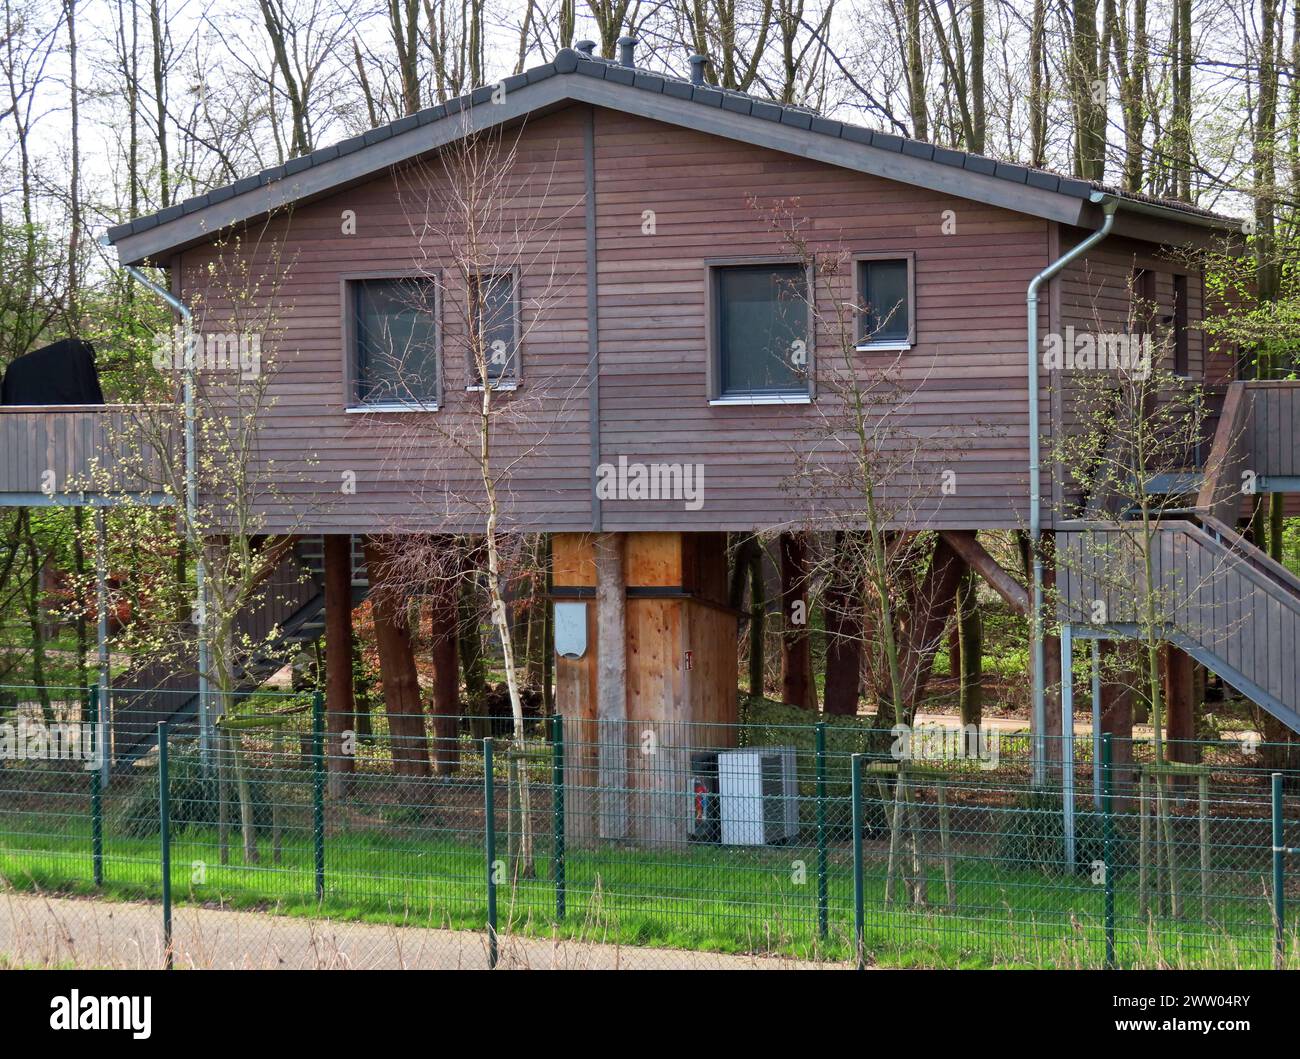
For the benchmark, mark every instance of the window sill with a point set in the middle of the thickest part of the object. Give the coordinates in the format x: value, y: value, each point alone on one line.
x: 883, y: 347
x: 761, y: 399
x: 497, y: 387
x: 365, y: 409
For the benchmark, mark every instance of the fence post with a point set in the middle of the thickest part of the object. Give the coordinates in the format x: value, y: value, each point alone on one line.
x: 557, y: 797
x: 490, y: 849
x: 823, y: 903
x: 96, y: 788
x: 318, y: 790
x: 859, y: 910
x: 1107, y: 847
x: 1279, y: 899
x: 164, y: 835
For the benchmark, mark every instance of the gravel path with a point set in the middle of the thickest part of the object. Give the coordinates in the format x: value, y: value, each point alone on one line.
x: 39, y: 931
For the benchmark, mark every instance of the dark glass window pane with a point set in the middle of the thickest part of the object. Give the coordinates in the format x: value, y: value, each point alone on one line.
x: 1181, y: 365
x: 494, y: 311
x: 762, y: 322
x: 396, y: 341
x: 886, y: 299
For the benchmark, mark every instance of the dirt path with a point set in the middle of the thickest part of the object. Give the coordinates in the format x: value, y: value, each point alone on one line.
x: 38, y: 931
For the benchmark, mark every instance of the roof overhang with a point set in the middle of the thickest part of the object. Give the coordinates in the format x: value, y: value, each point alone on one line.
x: 571, y: 79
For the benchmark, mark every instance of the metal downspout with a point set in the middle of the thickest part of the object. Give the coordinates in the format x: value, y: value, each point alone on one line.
x: 191, y: 496
x: 1108, y: 204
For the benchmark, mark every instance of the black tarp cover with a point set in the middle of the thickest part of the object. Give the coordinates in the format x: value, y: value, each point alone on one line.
x: 60, y: 373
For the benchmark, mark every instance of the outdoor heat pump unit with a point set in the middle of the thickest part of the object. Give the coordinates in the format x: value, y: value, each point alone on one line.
x: 758, y: 796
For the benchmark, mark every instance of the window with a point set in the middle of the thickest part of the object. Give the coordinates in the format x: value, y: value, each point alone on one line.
x: 885, y: 291
x: 761, y: 338
x: 1181, y: 366
x: 394, y: 340
x: 496, y: 320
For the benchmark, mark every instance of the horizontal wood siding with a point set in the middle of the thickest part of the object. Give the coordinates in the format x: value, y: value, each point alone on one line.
x: 963, y: 381
x: 964, y: 376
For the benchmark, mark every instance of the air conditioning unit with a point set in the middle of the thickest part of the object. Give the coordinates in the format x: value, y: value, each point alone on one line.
x: 758, y: 795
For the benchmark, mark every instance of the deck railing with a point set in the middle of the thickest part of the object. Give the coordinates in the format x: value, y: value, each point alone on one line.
x: 58, y: 453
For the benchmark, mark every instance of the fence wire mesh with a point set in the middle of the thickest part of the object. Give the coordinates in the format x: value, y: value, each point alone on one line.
x: 292, y: 839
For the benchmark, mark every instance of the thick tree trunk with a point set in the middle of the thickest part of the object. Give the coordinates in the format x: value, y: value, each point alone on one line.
x: 397, y: 670
x: 340, y: 708
x: 797, y: 687
x: 844, y: 623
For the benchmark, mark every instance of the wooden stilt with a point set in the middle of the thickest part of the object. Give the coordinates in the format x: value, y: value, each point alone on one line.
x: 444, y: 654
x: 797, y: 687
x: 1203, y: 807
x: 410, y: 746
x: 1144, y: 848
x: 340, y: 703
x: 945, y: 843
x: 611, y: 685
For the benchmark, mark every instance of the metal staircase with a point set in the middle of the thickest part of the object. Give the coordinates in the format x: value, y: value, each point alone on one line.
x: 1217, y: 597
x: 291, y: 599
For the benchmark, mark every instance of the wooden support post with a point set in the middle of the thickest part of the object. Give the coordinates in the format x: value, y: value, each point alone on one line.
x: 930, y: 606
x: 340, y: 703
x: 397, y: 664
x: 1179, y: 686
x: 966, y: 545
x: 1117, y: 691
x: 1144, y: 848
x: 611, y: 684
x: 945, y: 842
x: 1052, y: 730
x: 797, y: 687
x: 1203, y: 815
x: 969, y: 626
x: 844, y: 624
x: 444, y: 654
x: 757, y: 625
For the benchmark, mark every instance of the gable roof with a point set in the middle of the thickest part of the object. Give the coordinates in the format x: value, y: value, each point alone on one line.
x: 575, y: 77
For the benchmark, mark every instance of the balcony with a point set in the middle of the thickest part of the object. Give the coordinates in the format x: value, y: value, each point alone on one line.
x: 77, y: 455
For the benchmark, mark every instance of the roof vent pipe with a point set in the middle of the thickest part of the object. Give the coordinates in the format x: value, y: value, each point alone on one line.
x: 697, y: 68
x: 627, y: 51
x: 586, y: 47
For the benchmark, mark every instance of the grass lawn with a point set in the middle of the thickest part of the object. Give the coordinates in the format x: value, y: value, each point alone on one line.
x: 726, y: 899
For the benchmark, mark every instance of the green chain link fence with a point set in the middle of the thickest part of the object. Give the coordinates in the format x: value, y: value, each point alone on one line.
x: 406, y: 841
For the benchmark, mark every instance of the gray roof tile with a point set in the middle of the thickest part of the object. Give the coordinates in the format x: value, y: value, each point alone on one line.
x: 568, y: 62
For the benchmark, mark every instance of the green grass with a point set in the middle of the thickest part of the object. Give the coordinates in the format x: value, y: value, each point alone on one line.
x: 698, y: 897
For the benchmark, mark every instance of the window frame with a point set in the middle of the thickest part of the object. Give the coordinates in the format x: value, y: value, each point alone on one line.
x: 348, y: 282
x: 889, y: 345
x: 517, y: 378
x: 713, y: 373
